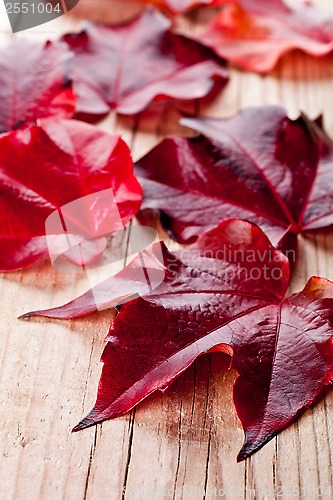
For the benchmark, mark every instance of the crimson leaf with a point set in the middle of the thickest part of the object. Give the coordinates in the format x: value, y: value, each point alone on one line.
x: 67, y: 179
x: 254, y: 34
x: 34, y: 83
x: 224, y: 292
x: 259, y: 165
x: 125, y: 67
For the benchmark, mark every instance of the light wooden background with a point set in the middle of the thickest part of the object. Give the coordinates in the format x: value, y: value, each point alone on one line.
x: 180, y: 444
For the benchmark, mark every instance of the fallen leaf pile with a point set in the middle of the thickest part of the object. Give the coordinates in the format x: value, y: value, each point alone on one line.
x: 239, y: 193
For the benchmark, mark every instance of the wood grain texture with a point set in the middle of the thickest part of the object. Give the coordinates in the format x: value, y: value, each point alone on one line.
x: 182, y: 443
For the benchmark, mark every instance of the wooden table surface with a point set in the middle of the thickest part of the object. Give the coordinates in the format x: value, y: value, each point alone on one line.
x: 180, y: 444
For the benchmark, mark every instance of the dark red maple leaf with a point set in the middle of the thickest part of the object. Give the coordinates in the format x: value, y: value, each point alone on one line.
x: 34, y: 83
x: 255, y: 34
x: 259, y: 165
x: 125, y: 67
x: 62, y: 183
x: 225, y: 292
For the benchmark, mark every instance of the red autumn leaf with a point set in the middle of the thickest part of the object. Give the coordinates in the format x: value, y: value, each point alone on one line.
x: 62, y: 183
x: 34, y: 83
x: 125, y: 67
x: 259, y: 165
x: 178, y: 6
x: 225, y: 292
x: 255, y: 34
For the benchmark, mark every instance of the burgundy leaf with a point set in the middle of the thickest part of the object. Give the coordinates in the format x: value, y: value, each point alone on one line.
x: 34, y: 83
x: 255, y: 34
x: 62, y: 184
x: 225, y: 292
x: 259, y: 165
x: 125, y: 67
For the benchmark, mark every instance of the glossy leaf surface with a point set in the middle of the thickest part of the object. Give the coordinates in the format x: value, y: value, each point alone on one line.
x: 60, y: 180
x: 127, y: 66
x: 225, y: 292
x: 259, y: 166
x: 34, y: 83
